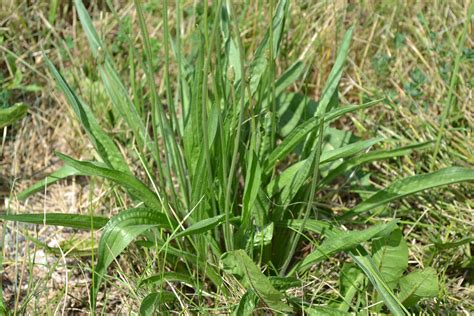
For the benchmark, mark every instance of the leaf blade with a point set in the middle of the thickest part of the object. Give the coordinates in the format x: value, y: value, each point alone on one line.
x: 417, y: 285
x: 240, y: 265
x: 61, y: 173
x: 12, y: 114
x: 59, y: 219
x: 119, y: 232
x: 201, y: 226
x: 132, y: 184
x: 412, y: 185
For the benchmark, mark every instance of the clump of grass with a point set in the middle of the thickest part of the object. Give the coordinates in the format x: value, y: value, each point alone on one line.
x: 233, y: 166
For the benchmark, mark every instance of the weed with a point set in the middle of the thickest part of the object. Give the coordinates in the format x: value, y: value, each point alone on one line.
x: 233, y: 167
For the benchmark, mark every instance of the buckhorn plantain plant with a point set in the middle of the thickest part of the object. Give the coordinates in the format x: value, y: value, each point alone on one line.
x: 233, y: 167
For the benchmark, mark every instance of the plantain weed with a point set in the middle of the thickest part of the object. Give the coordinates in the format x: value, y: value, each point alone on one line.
x: 234, y: 167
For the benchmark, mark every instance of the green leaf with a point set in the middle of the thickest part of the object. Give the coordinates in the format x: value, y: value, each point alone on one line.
x: 289, y: 76
x: 324, y: 311
x: 193, y: 131
x: 260, y: 62
x: 291, y: 141
x: 3, y: 309
x: 292, y: 179
x: 103, y: 144
x: 412, y: 185
x: 285, y: 283
x: 110, y: 78
x: 253, y: 180
x: 369, y: 267
x: 154, y: 300
x: 244, y: 269
x: 231, y: 46
x: 340, y: 241
x: 61, y: 173
x: 351, y: 281
x: 247, y: 304
x: 391, y: 256
x: 133, y: 185
x: 372, y: 156
x: 454, y: 244
x: 119, y: 232
x: 263, y: 236
x: 284, y: 179
x: 297, y: 135
x: 348, y: 276
x: 59, y: 219
x: 312, y: 225
x: 335, y: 75
x: 211, y: 270
x: 348, y: 150
x: 75, y: 246
x: 12, y: 114
x: 293, y: 108
x: 201, y: 226
x: 418, y: 285
x: 160, y: 278
x: 289, y: 182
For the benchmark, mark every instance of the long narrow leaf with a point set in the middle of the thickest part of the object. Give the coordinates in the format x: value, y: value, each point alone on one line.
x: 58, y: 219
x: 372, y: 156
x: 201, y: 226
x: 335, y: 74
x: 109, y: 74
x: 297, y: 135
x: 132, y: 184
x: 104, y: 145
x: 260, y: 62
x: 61, y: 173
x: 412, y: 185
x: 348, y: 150
x: 344, y: 241
x: 369, y: 267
